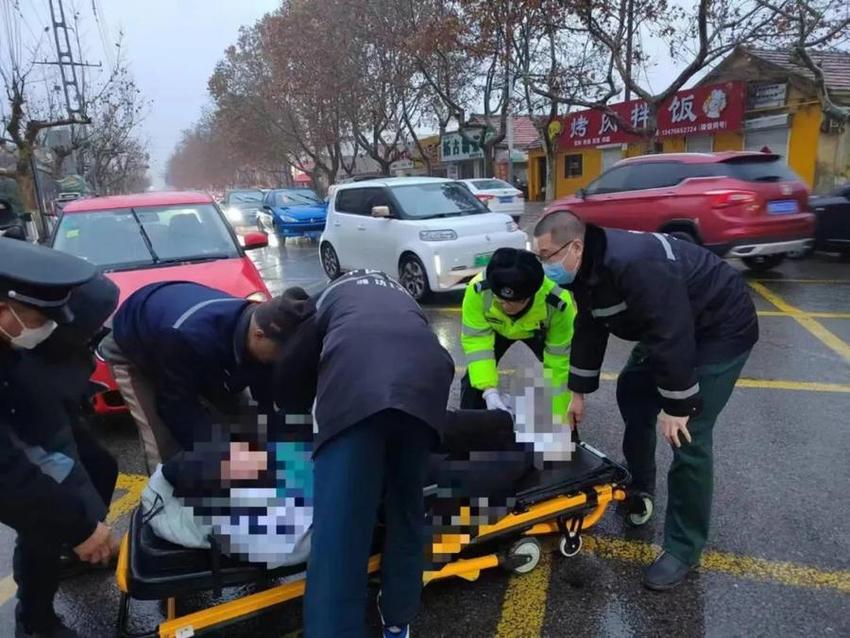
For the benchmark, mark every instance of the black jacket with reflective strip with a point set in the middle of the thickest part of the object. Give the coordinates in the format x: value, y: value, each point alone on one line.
x: 685, y: 305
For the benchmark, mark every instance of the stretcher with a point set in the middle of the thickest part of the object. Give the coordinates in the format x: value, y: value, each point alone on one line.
x: 564, y: 499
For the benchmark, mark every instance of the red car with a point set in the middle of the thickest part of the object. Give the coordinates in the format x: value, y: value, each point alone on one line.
x: 141, y: 239
x: 738, y: 204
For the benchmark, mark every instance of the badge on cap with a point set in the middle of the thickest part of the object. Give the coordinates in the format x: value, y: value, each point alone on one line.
x: 507, y: 293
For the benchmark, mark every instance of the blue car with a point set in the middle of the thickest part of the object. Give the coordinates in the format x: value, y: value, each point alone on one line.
x: 293, y: 212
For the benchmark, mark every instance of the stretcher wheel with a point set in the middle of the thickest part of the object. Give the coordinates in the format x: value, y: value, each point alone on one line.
x: 569, y: 546
x: 636, y: 517
x: 527, y: 549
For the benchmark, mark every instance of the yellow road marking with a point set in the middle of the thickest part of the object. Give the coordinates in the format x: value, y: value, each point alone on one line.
x: 752, y: 384
x: 816, y: 315
x: 747, y: 567
x: 803, y: 281
x: 524, y: 605
x: 760, y: 313
x: 828, y: 338
x: 132, y: 484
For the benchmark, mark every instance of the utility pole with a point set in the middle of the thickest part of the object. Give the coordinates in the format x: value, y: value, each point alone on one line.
x: 630, y: 11
x: 74, y: 99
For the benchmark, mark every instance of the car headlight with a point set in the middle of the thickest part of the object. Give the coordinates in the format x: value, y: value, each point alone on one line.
x: 288, y: 219
x: 258, y: 296
x: 233, y: 214
x: 512, y: 226
x: 437, y: 235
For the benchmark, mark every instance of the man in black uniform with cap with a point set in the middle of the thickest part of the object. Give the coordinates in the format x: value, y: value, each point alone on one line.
x: 46, y: 494
x: 380, y: 379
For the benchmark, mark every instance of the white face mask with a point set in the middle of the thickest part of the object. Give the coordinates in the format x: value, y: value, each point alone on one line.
x: 30, y: 337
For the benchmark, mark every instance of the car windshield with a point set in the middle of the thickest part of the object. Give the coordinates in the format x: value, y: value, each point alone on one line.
x: 758, y: 170
x: 490, y: 184
x: 441, y: 199
x: 243, y: 198
x: 296, y: 198
x: 131, y: 238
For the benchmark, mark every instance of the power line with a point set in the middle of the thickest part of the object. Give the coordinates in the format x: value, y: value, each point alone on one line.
x: 103, y: 30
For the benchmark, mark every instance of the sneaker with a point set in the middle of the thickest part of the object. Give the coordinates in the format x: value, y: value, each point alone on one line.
x: 392, y: 631
x: 53, y: 627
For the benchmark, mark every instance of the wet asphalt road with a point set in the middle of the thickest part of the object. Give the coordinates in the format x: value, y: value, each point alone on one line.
x: 779, y: 555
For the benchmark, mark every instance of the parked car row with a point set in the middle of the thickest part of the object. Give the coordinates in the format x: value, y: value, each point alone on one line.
x: 436, y: 234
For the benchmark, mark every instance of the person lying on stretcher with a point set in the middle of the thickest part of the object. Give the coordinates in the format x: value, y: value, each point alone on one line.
x: 254, y: 499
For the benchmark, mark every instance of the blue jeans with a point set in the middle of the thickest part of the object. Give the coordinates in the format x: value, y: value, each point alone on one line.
x: 384, y: 457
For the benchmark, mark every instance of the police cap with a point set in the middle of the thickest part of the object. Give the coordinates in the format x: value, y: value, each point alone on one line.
x: 514, y: 274
x: 41, y: 277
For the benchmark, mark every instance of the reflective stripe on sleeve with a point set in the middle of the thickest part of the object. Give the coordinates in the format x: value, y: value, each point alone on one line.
x: 581, y: 372
x: 558, y: 350
x: 469, y: 331
x: 481, y: 355
x: 668, y: 249
x: 679, y: 394
x: 609, y: 311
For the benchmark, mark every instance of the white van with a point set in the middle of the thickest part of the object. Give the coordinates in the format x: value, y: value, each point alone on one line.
x: 431, y: 233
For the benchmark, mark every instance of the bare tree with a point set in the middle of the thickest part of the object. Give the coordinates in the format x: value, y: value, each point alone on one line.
x: 695, y: 37
x: 807, y: 26
x: 26, y: 118
x: 558, y: 66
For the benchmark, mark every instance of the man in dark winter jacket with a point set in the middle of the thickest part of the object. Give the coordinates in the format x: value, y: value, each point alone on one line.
x: 378, y: 379
x: 695, y: 325
x: 55, y: 479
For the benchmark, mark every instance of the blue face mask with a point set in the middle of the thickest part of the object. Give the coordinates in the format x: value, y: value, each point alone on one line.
x: 559, y: 274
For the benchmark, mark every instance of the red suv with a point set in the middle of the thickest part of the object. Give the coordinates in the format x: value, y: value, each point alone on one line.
x: 142, y: 239
x: 737, y: 204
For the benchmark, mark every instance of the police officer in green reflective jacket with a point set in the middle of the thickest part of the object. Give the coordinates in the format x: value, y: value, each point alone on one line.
x: 513, y: 301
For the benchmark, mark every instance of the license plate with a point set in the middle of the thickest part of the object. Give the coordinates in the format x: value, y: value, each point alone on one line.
x: 482, y: 260
x: 506, y: 200
x: 783, y: 207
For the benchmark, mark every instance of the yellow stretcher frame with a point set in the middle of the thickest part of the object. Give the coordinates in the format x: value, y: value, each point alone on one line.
x: 539, y: 519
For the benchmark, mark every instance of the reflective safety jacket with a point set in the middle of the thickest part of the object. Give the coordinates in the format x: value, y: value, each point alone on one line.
x: 552, y: 311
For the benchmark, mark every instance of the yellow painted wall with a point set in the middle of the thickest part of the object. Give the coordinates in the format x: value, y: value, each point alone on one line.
x: 674, y: 145
x: 534, y: 176
x: 728, y: 141
x: 803, y: 140
x: 591, y: 168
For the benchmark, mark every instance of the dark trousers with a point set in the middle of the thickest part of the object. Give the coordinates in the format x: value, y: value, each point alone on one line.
x: 690, y: 479
x: 472, y: 398
x: 36, y: 562
x: 382, y: 458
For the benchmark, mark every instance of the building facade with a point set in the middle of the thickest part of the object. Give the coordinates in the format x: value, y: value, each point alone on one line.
x: 753, y: 100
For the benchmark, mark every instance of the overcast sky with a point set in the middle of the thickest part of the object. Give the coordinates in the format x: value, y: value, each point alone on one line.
x: 172, y: 47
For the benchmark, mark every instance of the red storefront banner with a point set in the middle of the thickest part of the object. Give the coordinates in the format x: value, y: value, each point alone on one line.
x: 704, y: 110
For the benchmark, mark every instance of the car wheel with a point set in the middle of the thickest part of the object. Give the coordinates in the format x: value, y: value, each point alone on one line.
x: 684, y: 235
x: 330, y: 261
x: 762, y: 263
x: 414, y: 277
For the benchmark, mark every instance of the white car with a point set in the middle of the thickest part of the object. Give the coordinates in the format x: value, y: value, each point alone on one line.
x: 498, y: 195
x: 429, y: 232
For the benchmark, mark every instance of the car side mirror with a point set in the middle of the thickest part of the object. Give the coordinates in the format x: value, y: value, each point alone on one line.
x: 254, y: 240
x: 581, y: 193
x: 381, y: 211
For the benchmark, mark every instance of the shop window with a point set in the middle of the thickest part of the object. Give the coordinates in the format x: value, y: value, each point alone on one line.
x: 572, y: 166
